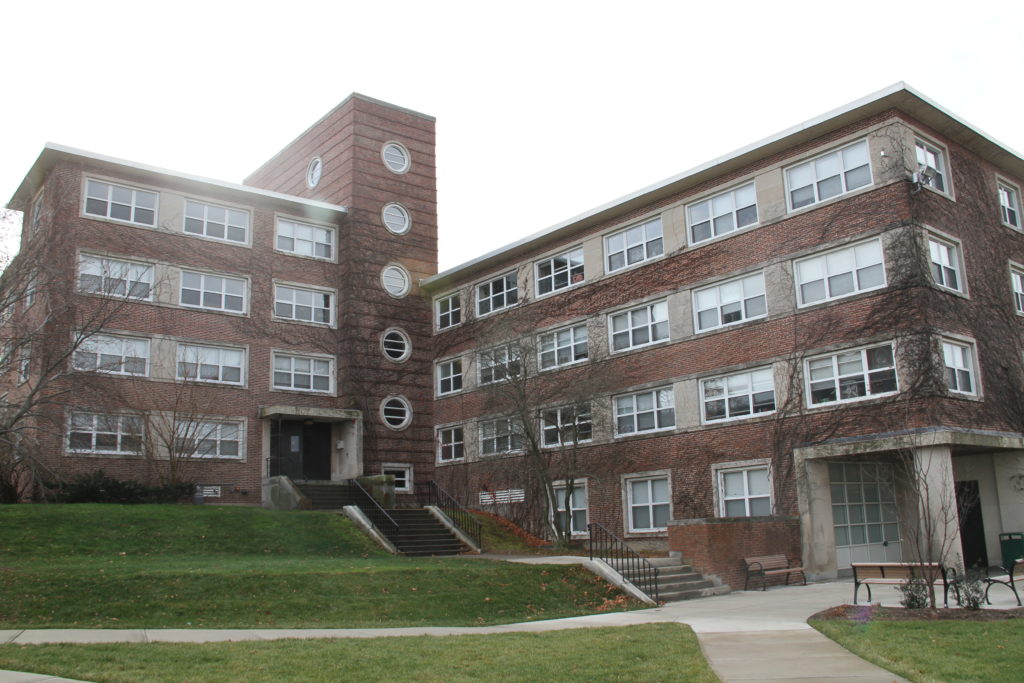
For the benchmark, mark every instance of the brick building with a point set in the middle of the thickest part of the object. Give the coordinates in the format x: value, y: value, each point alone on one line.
x: 811, y: 345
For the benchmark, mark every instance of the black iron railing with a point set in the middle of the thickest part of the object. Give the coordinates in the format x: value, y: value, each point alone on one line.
x: 372, y: 509
x: 604, y: 545
x: 432, y: 494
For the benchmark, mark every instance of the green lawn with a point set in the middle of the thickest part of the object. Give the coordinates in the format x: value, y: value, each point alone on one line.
x: 653, y: 652
x: 936, y: 650
x: 168, y: 566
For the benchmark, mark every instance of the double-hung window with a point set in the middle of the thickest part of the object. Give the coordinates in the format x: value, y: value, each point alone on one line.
x: 212, y: 292
x: 744, y: 492
x: 571, y: 508
x: 740, y: 395
x: 113, y: 354
x: 634, y: 245
x: 497, y: 294
x: 450, y: 444
x: 303, y: 304
x: 120, y: 203
x: 213, y: 364
x: 840, y: 273
x: 303, y: 373
x: 722, y: 213
x: 1017, y: 281
x: 559, y: 272
x: 1009, y: 205
x: 829, y: 175
x: 959, y: 363
x: 639, y: 326
x: 563, y: 347
x: 648, y: 504
x: 931, y: 166
x: 114, y: 277
x: 945, y: 264
x: 449, y: 376
x: 645, y: 411
x: 302, y: 239
x: 499, y: 364
x: 566, y: 425
x: 208, y: 439
x: 730, y: 302
x: 216, y: 222
x: 499, y: 436
x: 449, y: 311
x: 852, y: 375
x: 103, y: 433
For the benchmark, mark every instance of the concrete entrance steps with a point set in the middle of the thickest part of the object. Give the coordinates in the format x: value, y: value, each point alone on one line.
x: 420, y: 534
x: 678, y: 581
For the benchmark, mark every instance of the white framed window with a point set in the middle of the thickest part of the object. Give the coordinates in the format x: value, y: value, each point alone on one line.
x: 451, y: 444
x: 113, y: 354
x: 563, y: 347
x: 212, y: 292
x: 209, y: 439
x: 566, y: 425
x: 1017, y: 282
x: 634, y: 245
x: 396, y: 412
x: 449, y: 311
x: 645, y: 411
x: 497, y: 294
x: 314, y: 172
x: 931, y: 165
x: 395, y: 345
x: 402, y: 475
x: 103, y: 433
x: 396, y: 218
x: 560, y: 272
x: 730, y: 303
x: 24, y: 364
x: 216, y: 222
x: 396, y: 157
x: 744, y: 492
x: 303, y: 304
x: 571, y: 508
x: 499, y: 363
x: 30, y: 290
x: 851, y: 375
x: 499, y: 436
x: 841, y: 272
x: 958, y: 359
x: 395, y: 280
x: 120, y: 203
x: 945, y: 263
x: 303, y: 373
x: 213, y: 364
x: 449, y: 376
x: 829, y: 175
x: 37, y: 213
x: 1009, y: 205
x: 639, y: 326
x: 743, y: 394
x: 303, y: 239
x: 648, y: 502
x: 114, y: 277
x: 722, y: 214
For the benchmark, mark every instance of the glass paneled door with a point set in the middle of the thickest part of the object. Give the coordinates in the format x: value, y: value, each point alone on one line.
x: 864, y: 513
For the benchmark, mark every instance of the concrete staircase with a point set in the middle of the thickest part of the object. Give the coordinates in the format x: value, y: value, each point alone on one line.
x: 420, y: 534
x: 678, y: 581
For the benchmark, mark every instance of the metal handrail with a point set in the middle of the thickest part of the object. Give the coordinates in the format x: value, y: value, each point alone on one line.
x: 460, y: 516
x: 372, y: 509
x: 635, y: 569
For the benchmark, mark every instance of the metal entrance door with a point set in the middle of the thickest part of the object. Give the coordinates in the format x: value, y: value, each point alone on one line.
x: 301, y: 451
x: 864, y: 513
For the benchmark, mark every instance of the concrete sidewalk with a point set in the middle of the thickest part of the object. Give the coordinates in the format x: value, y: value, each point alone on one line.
x: 745, y: 635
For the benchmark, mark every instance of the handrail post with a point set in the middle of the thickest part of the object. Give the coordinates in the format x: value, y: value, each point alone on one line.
x: 620, y: 556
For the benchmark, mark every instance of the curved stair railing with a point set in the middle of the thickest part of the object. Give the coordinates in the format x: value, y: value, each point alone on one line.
x: 433, y: 494
x: 606, y: 546
x: 373, y: 510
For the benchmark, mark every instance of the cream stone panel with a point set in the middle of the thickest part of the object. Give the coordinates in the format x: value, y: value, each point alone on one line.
x: 597, y: 337
x: 593, y: 258
x: 814, y: 497
x: 469, y: 378
x: 891, y: 152
x: 681, y: 399
x: 602, y: 416
x: 1009, y: 477
x: 687, y: 396
x: 471, y: 441
x: 673, y: 226
x: 166, y: 284
x: 771, y: 196
x: 779, y: 289
x: 163, y: 354
x: 172, y: 210
x: 680, y: 315
x: 783, y: 373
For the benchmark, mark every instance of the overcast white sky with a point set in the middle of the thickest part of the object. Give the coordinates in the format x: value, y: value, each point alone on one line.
x: 544, y: 109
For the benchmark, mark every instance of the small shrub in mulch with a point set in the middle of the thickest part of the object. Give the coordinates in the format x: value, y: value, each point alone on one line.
x: 866, y: 613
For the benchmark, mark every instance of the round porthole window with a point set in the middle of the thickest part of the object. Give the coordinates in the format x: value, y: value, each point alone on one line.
x: 396, y: 345
x: 313, y: 172
x: 396, y: 412
x: 395, y: 280
x: 396, y: 218
x: 396, y: 157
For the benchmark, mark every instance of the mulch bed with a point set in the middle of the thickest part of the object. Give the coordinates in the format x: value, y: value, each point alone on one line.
x: 877, y: 613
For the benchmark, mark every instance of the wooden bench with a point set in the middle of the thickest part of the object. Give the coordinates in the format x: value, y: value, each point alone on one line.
x: 1007, y: 580
x: 900, y: 573
x: 771, y: 565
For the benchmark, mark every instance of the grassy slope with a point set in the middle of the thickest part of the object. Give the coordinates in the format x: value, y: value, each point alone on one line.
x: 655, y: 652
x: 228, y: 567
x: 936, y: 650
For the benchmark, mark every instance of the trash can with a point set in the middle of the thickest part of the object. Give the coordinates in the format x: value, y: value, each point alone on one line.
x: 1012, y: 545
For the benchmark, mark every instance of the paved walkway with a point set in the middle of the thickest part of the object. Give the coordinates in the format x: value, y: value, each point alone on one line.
x: 746, y: 636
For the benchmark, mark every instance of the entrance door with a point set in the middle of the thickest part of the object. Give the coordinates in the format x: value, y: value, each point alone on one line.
x: 864, y: 513
x: 301, y: 451
x: 972, y: 527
